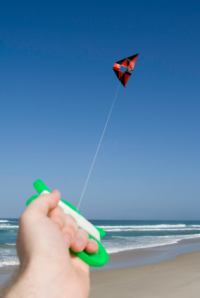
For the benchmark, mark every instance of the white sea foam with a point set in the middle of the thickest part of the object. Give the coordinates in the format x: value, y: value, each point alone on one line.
x: 9, y: 262
x: 150, y: 229
x: 4, y: 220
x: 8, y: 226
x: 10, y: 244
x: 161, y: 227
x: 120, y: 243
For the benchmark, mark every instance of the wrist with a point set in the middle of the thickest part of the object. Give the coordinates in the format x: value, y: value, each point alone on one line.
x: 46, y: 269
x: 42, y: 277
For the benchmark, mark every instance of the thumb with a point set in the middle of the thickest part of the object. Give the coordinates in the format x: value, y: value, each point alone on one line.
x: 45, y: 203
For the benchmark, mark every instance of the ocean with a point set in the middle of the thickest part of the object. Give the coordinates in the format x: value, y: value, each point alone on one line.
x: 121, y: 235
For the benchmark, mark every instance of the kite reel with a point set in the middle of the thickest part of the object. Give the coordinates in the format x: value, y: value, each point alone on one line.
x: 97, y: 259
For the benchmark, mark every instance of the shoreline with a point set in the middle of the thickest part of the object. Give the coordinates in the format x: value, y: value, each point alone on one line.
x: 145, y: 272
x: 150, y: 255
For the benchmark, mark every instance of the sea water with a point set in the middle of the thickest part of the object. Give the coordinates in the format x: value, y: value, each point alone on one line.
x: 138, y: 234
x: 121, y: 235
x: 8, y: 232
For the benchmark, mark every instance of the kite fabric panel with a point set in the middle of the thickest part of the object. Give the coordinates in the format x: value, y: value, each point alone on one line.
x: 124, y: 68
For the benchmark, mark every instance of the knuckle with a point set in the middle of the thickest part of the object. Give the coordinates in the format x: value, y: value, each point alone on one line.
x: 70, y: 232
x: 83, y: 234
x: 70, y: 218
x: 26, y: 216
x: 70, y: 221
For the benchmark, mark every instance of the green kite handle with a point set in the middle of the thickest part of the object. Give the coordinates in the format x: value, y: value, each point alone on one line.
x: 97, y: 259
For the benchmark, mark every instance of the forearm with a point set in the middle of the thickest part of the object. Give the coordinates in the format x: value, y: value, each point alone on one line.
x: 42, y: 278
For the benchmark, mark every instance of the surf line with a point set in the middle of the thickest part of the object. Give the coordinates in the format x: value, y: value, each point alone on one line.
x: 93, y: 162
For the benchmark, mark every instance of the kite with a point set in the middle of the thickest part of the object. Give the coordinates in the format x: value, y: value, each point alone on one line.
x: 124, y: 68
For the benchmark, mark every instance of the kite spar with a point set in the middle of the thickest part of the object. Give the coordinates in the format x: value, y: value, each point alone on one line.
x: 123, y: 70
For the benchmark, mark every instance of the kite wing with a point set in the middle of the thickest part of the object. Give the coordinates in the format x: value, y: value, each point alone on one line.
x: 123, y: 68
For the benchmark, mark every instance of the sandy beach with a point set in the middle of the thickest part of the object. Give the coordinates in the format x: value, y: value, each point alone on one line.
x: 176, y: 278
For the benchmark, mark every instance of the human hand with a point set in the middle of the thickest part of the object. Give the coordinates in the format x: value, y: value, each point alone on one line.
x: 45, y: 236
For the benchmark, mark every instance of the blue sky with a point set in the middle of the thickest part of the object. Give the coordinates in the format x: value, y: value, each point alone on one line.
x: 56, y: 88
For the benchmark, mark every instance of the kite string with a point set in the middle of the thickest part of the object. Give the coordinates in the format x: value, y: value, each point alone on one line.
x: 85, y: 185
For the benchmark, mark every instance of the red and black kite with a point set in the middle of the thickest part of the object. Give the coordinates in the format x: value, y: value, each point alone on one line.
x: 124, y: 68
